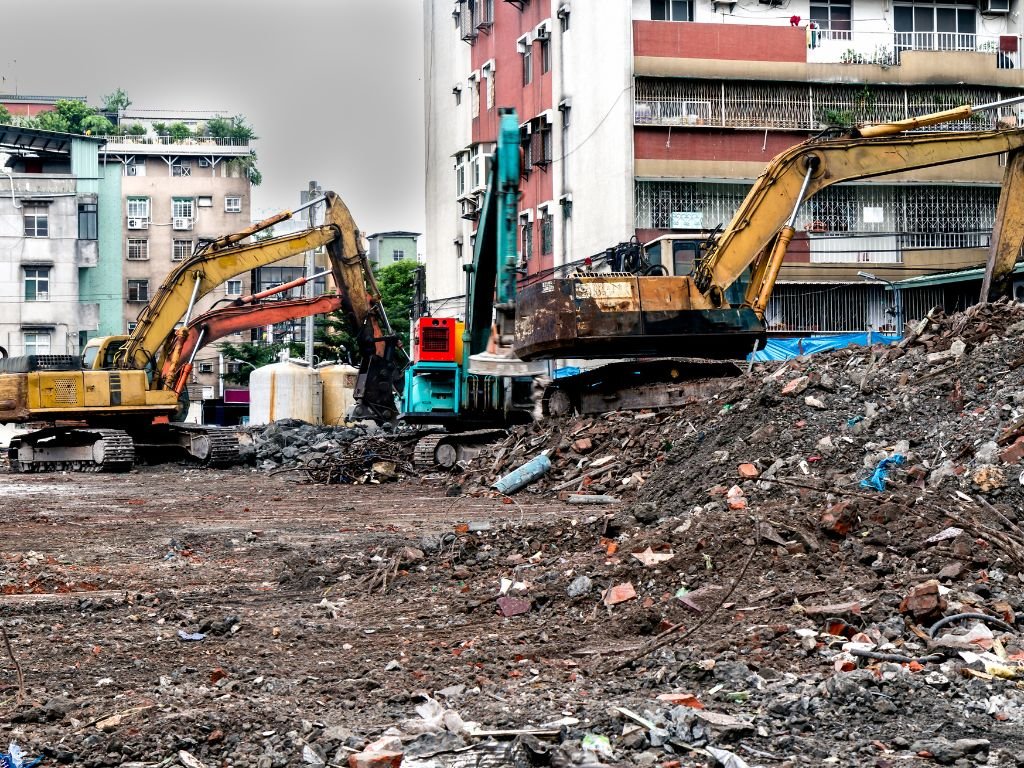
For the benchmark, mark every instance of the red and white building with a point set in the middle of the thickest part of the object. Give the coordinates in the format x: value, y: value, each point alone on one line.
x: 645, y: 117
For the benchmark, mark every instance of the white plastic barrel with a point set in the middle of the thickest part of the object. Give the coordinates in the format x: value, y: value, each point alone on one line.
x: 285, y: 390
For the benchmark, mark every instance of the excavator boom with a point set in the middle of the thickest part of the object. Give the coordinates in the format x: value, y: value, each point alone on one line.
x: 611, y: 316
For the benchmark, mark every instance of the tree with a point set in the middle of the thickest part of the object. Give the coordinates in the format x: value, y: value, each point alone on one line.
x: 179, y: 131
x: 250, y: 356
x: 50, y: 120
x: 5, y: 115
x: 116, y: 102
x: 230, y: 128
x: 246, y: 165
x: 397, y: 283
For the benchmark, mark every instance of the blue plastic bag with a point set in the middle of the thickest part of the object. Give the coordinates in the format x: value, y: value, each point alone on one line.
x: 15, y: 758
x: 881, y: 474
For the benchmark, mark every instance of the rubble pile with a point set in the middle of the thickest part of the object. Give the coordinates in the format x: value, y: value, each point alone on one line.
x: 823, y: 565
x: 611, y: 453
x: 356, y: 453
x: 945, y: 407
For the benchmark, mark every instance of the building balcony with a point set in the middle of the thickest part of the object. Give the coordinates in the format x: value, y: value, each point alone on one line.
x: 162, y: 145
x: 774, y: 50
x: 888, y: 49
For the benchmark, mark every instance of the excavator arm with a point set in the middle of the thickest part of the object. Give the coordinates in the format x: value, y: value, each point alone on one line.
x: 156, y: 343
x: 762, y: 226
x: 612, y: 315
x: 218, y: 323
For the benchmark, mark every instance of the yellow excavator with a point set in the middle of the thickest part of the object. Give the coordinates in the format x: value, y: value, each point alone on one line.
x: 708, y: 300
x: 129, y: 392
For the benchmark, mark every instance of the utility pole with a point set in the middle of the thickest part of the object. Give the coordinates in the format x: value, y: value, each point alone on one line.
x: 313, y: 193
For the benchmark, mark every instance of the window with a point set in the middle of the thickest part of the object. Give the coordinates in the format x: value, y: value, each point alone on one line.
x: 37, y: 283
x: 36, y: 342
x: 924, y: 26
x: 88, y: 221
x: 461, y: 161
x: 457, y: 93
x: 487, y: 76
x: 36, y: 219
x: 474, y: 95
x: 526, y: 236
x: 832, y: 18
x: 138, y: 208
x: 138, y: 249
x: 181, y: 250
x: 181, y: 169
x: 526, y: 51
x: 206, y: 367
x: 547, y: 229
x: 672, y: 10
x: 542, y: 149
x: 182, y: 207
x: 397, y: 254
x: 233, y: 287
x: 563, y: 18
x: 135, y: 168
x: 526, y: 140
x: 545, y: 55
x: 131, y: 327
x: 138, y: 290
x: 234, y: 367
x: 232, y: 205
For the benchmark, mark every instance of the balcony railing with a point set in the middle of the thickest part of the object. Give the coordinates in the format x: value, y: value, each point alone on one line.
x: 885, y: 48
x: 785, y: 106
x: 192, y: 140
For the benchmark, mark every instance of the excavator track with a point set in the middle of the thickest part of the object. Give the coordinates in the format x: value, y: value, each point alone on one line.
x: 72, y: 449
x: 208, y: 445
x: 444, y: 450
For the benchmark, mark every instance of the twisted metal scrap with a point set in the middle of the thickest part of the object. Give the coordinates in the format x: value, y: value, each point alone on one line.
x: 354, y: 463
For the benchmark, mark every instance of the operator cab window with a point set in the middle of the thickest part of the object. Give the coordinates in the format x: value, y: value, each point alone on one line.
x: 684, y: 254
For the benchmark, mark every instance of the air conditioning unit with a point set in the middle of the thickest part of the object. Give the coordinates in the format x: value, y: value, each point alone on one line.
x: 136, y: 222
x: 204, y: 162
x: 542, y: 34
x: 995, y: 6
x: 181, y: 223
x: 131, y: 170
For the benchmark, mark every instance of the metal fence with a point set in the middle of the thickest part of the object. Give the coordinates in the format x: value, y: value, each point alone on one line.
x: 735, y: 104
x: 924, y: 215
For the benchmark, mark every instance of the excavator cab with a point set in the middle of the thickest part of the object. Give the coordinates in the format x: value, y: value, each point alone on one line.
x: 99, y: 353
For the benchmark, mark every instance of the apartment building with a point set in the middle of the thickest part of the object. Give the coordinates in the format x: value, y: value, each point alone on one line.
x: 54, y: 240
x: 176, y: 192
x: 386, y: 248
x: 651, y: 117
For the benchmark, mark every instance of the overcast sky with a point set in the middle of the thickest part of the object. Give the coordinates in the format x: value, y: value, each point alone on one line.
x: 333, y: 88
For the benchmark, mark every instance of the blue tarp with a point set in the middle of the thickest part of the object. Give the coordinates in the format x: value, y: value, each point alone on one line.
x: 786, y: 349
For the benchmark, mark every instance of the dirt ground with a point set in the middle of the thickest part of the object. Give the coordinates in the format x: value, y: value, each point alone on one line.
x: 239, y: 618
x: 820, y: 565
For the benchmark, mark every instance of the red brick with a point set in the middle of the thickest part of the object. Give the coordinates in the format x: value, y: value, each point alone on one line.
x: 1012, y: 454
x: 748, y: 471
x: 924, y: 601
x: 375, y: 760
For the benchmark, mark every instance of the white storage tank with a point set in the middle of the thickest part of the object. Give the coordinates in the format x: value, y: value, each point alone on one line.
x: 290, y: 389
x: 339, y: 383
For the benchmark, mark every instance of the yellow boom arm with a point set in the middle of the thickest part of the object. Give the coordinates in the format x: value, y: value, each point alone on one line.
x: 763, y: 225
x: 225, y: 258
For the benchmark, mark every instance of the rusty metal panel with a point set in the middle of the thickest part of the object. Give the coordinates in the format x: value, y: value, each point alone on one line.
x: 627, y: 316
x: 14, y: 397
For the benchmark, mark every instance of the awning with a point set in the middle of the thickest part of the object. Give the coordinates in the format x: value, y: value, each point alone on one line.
x: 943, y: 278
